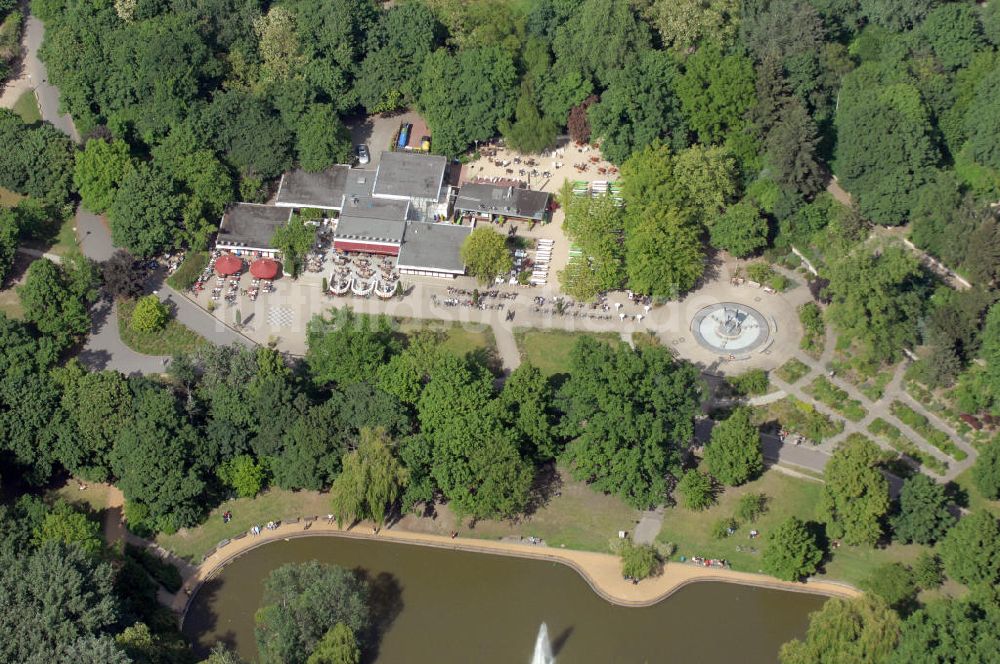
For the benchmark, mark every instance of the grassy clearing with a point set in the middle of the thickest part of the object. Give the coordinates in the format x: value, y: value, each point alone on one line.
x: 549, y: 350
x: 930, y: 433
x: 837, y: 399
x: 94, y: 497
x: 10, y: 303
x: 799, y: 417
x: 174, y: 338
x: 27, y: 107
x: 976, y: 500
x: 459, y: 338
x: 10, y: 198
x: 787, y: 496
x: 791, y: 371
x: 189, y: 270
x: 277, y: 504
x: 577, y: 518
x: 903, y: 445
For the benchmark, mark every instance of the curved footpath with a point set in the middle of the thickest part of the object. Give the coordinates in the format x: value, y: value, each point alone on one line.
x: 600, y: 570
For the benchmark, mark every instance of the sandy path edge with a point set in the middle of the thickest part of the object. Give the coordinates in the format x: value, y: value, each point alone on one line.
x: 601, y: 571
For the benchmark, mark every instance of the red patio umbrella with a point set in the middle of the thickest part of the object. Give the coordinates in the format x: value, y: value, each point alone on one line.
x: 228, y: 264
x: 264, y: 268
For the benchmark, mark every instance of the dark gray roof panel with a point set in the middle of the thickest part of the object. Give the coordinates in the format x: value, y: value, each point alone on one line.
x: 433, y: 246
x: 325, y: 190
x: 251, y: 225
x: 410, y: 174
x: 495, y: 199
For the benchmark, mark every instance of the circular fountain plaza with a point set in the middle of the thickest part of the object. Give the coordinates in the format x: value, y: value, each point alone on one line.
x: 730, y: 328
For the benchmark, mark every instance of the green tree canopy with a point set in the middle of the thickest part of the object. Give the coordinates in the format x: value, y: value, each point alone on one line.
x: 155, y: 462
x: 951, y: 630
x: 847, y: 630
x: 322, y: 139
x: 372, y: 480
x: 100, y: 169
x: 733, y: 455
x: 986, y: 471
x: 348, y: 348
x: 486, y: 255
x: 56, y: 298
x: 855, y: 493
x: 402, y: 39
x: 741, y: 230
x: 716, y: 92
x: 877, y: 297
x: 338, y: 646
x: 149, y: 314
x: 792, y: 552
x: 146, y: 211
x: 664, y: 253
x: 304, y: 601
x: 596, y: 225
x: 294, y: 240
x: 466, y: 96
x: 884, y: 152
x: 696, y: 490
x: 923, y: 516
x: 629, y: 414
x: 971, y: 549
x: 52, y: 597
x: 638, y: 107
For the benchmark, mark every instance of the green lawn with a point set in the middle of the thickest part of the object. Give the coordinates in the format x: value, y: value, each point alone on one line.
x: 459, y: 338
x: 174, y: 338
x: 787, y: 496
x: 277, y: 504
x: 577, y: 518
x: 799, y: 417
x: 10, y: 198
x: 27, y: 107
x: 839, y: 400
x: 976, y: 500
x: 549, y: 349
x: 189, y: 270
x: 10, y: 303
x: 791, y: 371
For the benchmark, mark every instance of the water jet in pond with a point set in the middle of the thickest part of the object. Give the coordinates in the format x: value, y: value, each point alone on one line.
x: 543, y: 649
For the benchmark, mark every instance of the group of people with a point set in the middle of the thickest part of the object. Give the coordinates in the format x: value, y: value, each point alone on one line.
x: 227, y: 516
x: 271, y: 525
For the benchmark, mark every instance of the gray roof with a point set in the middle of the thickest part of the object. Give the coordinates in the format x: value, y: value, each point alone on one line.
x: 495, y: 199
x: 319, y: 190
x: 410, y: 174
x: 359, y: 182
x: 372, y: 219
x: 431, y: 246
x: 251, y: 225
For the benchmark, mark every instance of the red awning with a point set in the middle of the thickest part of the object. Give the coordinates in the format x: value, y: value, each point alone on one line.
x: 366, y: 247
x: 228, y: 264
x: 264, y: 268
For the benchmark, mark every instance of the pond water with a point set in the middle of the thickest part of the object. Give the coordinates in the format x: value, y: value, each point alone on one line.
x: 448, y: 607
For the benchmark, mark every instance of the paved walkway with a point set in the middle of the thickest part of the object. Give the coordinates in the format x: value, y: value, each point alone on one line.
x: 601, y: 571
x: 34, y: 76
x: 875, y: 409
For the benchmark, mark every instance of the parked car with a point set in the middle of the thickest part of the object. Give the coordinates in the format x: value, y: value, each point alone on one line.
x: 363, y: 156
x: 425, y: 143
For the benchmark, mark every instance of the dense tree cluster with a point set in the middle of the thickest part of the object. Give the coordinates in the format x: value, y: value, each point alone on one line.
x: 69, y: 598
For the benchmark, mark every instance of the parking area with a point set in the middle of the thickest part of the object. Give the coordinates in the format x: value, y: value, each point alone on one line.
x: 377, y: 132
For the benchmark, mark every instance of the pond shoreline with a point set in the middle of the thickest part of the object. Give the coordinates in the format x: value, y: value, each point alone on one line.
x: 601, y: 571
